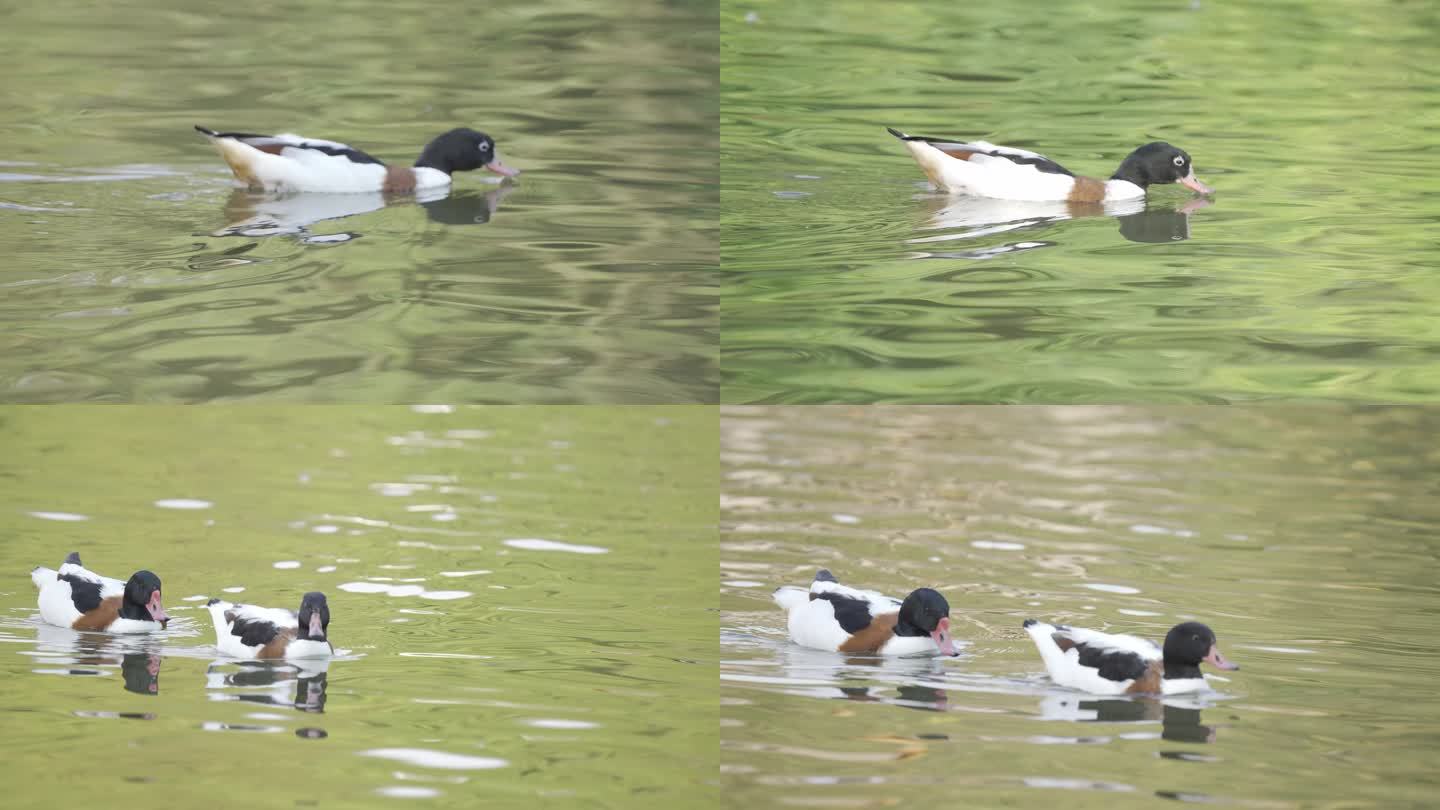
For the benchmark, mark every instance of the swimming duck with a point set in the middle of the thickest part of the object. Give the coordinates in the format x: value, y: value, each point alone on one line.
x: 289, y: 162
x: 247, y: 631
x: 831, y: 616
x: 81, y: 599
x: 1106, y: 664
x: 983, y: 169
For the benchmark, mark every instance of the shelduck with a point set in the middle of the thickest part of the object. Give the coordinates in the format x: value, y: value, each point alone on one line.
x: 81, y: 599
x: 831, y: 616
x: 290, y: 162
x: 248, y: 631
x: 1110, y: 664
x: 982, y: 169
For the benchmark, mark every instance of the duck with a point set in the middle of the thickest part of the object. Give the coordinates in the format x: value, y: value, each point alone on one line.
x: 288, y: 162
x: 81, y: 599
x: 248, y: 631
x: 982, y: 169
x: 1112, y: 664
x: 838, y: 618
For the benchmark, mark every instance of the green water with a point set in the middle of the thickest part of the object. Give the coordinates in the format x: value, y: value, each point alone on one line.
x: 1311, y: 276
x: 1305, y: 537
x: 589, y: 280
x: 573, y: 676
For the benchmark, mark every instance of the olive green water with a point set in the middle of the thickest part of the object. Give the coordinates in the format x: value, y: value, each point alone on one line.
x: 480, y: 667
x: 1306, y: 537
x: 132, y: 273
x: 1311, y: 274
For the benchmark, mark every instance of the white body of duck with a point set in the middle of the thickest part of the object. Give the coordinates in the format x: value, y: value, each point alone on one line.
x: 831, y: 616
x: 983, y: 169
x: 248, y: 631
x: 81, y: 599
x: 290, y: 162
x: 1115, y: 664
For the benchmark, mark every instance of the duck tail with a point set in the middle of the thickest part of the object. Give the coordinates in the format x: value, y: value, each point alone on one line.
x: 40, y: 575
x: 1050, y: 652
x: 217, y: 609
x: 902, y: 136
x: 789, y: 597
x: 206, y: 131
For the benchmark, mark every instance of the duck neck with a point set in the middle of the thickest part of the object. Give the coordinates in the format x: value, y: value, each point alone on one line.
x: 1131, y: 172
x: 1177, y: 671
x: 130, y: 610
x: 904, y: 627
x: 430, y: 158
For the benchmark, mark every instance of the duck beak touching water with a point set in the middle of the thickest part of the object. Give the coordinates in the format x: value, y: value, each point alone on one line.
x: 941, y: 635
x: 157, y: 610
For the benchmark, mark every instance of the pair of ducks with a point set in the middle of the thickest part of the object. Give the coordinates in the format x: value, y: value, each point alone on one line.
x: 831, y: 616
x: 81, y: 599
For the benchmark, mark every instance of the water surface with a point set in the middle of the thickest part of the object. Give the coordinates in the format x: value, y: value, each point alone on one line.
x: 1306, y: 537
x: 512, y: 593
x: 134, y: 274
x: 1310, y: 276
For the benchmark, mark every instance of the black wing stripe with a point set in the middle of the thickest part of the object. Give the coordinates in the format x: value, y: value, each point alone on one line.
x: 84, y: 593
x: 1113, y: 665
x: 354, y: 155
x: 1040, y: 163
x: 351, y: 153
x: 254, y: 632
x: 242, y: 136
x: 852, y: 614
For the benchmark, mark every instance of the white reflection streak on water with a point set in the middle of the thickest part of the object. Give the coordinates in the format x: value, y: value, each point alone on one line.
x: 535, y: 544
x: 429, y: 758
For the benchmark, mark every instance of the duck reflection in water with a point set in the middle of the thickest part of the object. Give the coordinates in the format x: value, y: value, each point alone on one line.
x: 922, y: 698
x: 254, y: 215
x: 141, y: 672
x: 91, y: 654
x: 273, y: 684
x: 895, y: 681
x: 963, y: 218
x: 1179, y: 718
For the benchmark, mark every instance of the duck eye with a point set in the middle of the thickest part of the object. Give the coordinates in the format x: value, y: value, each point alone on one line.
x: 1179, y: 160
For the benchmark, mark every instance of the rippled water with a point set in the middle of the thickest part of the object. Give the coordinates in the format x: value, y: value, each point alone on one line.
x: 512, y: 594
x: 1304, y: 536
x: 134, y: 273
x: 1311, y: 274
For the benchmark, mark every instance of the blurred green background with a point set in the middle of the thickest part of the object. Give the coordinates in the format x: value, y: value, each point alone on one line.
x: 1310, y: 277
x: 135, y: 275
